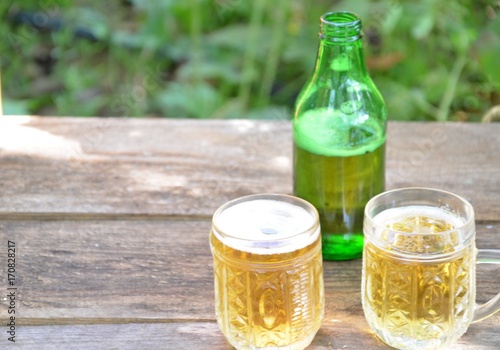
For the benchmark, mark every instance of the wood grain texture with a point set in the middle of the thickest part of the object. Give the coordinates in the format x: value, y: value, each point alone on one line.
x: 111, y: 219
x: 180, y: 167
x: 160, y: 269
x: 114, y: 272
x: 333, y: 335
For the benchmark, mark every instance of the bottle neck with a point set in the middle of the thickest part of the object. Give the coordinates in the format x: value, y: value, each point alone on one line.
x: 341, y: 48
x: 340, y: 59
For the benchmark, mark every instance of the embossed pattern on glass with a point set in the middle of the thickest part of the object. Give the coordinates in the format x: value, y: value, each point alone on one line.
x: 419, y: 268
x: 276, y: 300
x: 428, y: 302
x: 268, y: 272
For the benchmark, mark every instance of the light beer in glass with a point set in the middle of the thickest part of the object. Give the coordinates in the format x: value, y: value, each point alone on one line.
x: 418, y: 284
x: 268, y: 272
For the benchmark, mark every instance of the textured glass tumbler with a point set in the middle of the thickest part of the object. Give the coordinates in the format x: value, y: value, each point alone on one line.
x: 419, y: 261
x: 268, y: 272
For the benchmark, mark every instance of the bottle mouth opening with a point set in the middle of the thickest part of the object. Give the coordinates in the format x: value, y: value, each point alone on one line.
x: 340, y: 26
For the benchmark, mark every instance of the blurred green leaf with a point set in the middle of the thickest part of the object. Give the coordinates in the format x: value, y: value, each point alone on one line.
x: 185, y: 58
x: 89, y: 19
x: 223, y: 71
x: 270, y: 112
x: 186, y: 100
x: 423, y: 26
x: 232, y: 36
x: 15, y: 107
x: 488, y: 54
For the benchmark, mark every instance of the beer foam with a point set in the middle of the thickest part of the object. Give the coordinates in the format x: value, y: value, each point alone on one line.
x: 265, y: 226
x: 393, y: 215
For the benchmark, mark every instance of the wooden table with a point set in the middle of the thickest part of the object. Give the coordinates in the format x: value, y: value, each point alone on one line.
x: 110, y: 221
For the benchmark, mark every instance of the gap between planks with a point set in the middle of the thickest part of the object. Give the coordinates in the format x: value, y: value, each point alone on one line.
x: 104, y: 321
x: 6, y: 216
x: 40, y: 216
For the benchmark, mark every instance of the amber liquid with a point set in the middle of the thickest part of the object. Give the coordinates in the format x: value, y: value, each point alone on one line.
x: 338, y: 166
x: 419, y: 304
x: 268, y: 300
x: 339, y: 188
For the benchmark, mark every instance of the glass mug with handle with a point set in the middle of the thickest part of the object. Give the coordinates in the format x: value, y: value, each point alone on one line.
x: 418, y: 280
x: 268, y: 272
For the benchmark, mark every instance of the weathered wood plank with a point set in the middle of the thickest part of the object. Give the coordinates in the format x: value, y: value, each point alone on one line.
x: 179, y: 167
x: 111, y: 269
x: 457, y: 157
x: 161, y: 270
x: 140, y: 166
x: 335, y: 334
x: 111, y: 218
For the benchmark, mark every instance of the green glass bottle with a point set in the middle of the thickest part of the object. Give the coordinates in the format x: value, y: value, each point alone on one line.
x: 339, y: 132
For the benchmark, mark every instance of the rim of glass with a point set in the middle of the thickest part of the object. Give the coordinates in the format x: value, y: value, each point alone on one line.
x: 469, y: 220
x: 340, y: 27
x: 272, y: 196
x: 351, y: 19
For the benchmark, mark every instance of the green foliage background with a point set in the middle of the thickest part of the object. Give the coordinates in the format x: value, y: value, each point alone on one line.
x: 431, y: 59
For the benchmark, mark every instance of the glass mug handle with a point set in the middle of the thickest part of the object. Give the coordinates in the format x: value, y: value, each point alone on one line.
x: 487, y: 256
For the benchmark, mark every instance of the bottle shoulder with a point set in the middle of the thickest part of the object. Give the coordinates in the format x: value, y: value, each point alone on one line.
x: 332, y: 132
x: 360, y: 98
